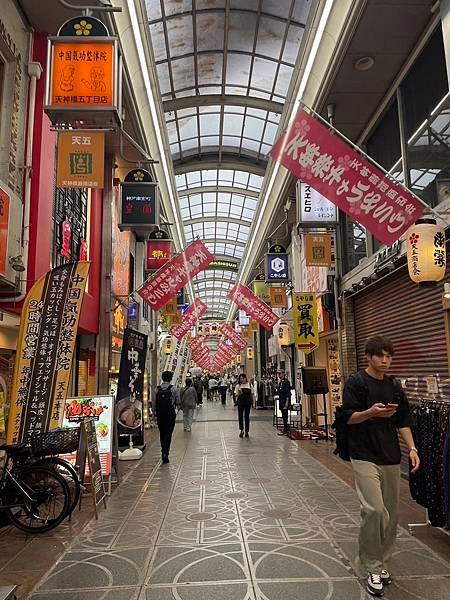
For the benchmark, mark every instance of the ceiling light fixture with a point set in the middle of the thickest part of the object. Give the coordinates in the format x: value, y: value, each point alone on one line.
x: 365, y: 63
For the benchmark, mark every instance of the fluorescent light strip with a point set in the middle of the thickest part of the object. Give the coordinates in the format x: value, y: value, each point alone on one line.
x: 306, y: 73
x: 154, y: 113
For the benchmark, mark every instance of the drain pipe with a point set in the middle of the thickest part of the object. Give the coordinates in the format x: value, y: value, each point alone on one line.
x: 34, y: 72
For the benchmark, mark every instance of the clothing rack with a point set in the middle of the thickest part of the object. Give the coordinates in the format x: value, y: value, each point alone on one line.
x: 439, y: 404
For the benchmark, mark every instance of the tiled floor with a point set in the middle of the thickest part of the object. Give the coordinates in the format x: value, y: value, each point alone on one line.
x: 232, y: 519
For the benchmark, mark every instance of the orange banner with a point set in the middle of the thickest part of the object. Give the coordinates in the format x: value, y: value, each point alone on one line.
x: 278, y: 298
x: 82, y: 74
x: 81, y: 159
x: 318, y: 250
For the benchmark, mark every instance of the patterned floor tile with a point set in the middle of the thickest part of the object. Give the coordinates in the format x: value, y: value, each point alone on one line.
x: 228, y: 591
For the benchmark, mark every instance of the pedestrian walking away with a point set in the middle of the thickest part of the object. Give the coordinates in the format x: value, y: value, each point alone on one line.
x: 244, y: 398
x: 188, y: 399
x: 213, y: 385
x: 166, y: 405
x: 284, y: 395
x: 223, y: 386
x: 198, y: 384
x: 375, y: 408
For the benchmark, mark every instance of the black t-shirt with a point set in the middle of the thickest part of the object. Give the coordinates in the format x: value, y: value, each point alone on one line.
x: 375, y: 440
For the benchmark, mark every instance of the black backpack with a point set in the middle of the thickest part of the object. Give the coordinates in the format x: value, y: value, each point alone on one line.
x: 340, y: 421
x: 164, y: 405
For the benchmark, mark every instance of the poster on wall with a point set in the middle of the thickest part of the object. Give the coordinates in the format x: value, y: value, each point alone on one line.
x: 45, y: 349
x: 100, y: 409
x: 130, y: 389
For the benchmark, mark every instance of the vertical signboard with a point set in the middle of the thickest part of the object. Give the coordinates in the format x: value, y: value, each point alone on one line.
x: 81, y: 159
x: 304, y: 312
x: 45, y: 348
x: 130, y: 390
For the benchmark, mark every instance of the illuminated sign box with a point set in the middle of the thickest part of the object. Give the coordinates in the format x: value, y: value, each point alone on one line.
x: 84, y: 80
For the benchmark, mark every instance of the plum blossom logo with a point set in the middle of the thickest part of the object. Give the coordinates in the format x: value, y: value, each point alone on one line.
x: 82, y: 28
x: 345, y: 161
x: 302, y: 127
x: 414, y: 238
x: 138, y: 176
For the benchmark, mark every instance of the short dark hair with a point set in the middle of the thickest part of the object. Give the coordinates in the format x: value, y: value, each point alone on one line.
x: 242, y: 375
x: 376, y: 344
x: 188, y: 382
x: 167, y: 376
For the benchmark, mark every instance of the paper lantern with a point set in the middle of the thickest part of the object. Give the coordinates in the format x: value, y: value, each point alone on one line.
x: 167, y: 345
x: 426, y: 252
x: 284, y: 335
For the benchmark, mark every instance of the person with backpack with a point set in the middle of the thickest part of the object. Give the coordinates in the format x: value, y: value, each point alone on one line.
x: 188, y: 399
x: 374, y: 409
x: 166, y: 405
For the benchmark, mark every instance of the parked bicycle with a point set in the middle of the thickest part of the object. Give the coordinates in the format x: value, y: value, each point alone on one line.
x: 35, y: 498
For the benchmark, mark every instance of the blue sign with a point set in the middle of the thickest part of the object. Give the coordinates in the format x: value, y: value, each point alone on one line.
x: 277, y: 268
x: 133, y: 311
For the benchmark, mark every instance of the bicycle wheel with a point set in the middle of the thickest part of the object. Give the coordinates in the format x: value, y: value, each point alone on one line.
x: 50, y: 504
x: 68, y: 471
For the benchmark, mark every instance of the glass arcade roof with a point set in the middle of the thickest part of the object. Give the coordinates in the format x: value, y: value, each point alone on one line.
x: 224, y: 69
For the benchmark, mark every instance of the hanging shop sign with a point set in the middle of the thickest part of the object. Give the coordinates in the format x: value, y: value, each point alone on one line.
x: 230, y: 334
x: 158, y: 253
x: 250, y: 353
x: 226, y: 265
x: 244, y: 319
x: 262, y: 290
x: 133, y: 314
x: 253, y: 326
x: 175, y: 274
x: 80, y: 159
x: 84, y: 73
x: 4, y: 225
x: 130, y: 388
x: 118, y: 326
x: 304, y: 311
x: 272, y: 346
x: 314, y: 154
x: 176, y: 319
x: 170, y: 307
x: 318, y: 250
x: 101, y: 409
x: 168, y: 345
x: 139, y: 202
x: 253, y: 306
x: 278, y: 298
x: 45, y: 348
x: 313, y: 208
x: 426, y: 252
x: 277, y: 268
x: 190, y: 318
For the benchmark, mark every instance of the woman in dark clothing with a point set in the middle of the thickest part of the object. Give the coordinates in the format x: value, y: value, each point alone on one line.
x: 244, y: 397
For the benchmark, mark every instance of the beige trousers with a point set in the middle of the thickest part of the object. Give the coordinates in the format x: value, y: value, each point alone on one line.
x: 378, y: 489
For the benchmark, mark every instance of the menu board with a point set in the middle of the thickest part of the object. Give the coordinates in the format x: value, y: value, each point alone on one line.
x: 334, y: 373
x: 95, y: 468
x: 100, y: 410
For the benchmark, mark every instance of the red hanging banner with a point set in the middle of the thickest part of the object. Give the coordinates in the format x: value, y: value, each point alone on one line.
x: 238, y: 342
x: 322, y: 160
x: 159, y: 252
x: 253, y: 306
x: 190, y: 318
x: 169, y: 280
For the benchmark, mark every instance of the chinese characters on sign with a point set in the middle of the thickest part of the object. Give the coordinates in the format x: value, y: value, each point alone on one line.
x: 48, y: 328
x: 130, y: 388
x: 139, y: 205
x: 162, y: 286
x: 159, y: 252
x: 304, y: 311
x: 278, y: 298
x: 317, y: 250
x: 81, y: 158
x: 331, y: 167
x: 238, y: 342
x: 191, y: 316
x: 253, y: 306
x: 82, y: 74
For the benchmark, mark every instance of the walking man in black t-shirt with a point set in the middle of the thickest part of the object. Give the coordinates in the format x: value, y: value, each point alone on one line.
x: 377, y: 408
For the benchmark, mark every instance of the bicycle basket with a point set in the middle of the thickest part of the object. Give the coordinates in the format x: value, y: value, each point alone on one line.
x: 57, y: 441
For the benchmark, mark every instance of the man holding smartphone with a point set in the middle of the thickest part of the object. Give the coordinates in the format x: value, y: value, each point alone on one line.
x: 376, y: 408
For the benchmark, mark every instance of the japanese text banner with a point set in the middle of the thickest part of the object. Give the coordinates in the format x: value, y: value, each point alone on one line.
x: 253, y: 306
x: 162, y: 286
x: 45, y: 349
x: 323, y: 161
x: 191, y: 316
x: 237, y: 341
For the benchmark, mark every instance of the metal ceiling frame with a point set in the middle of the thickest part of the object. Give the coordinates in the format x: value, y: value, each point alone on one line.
x: 211, y: 162
x: 211, y: 219
x: 175, y: 104
x: 213, y: 189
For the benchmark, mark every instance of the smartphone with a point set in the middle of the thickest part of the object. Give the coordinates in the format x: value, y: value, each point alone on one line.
x: 391, y: 405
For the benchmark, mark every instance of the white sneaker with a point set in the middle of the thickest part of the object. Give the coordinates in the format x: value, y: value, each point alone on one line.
x: 386, y: 578
x: 374, y: 584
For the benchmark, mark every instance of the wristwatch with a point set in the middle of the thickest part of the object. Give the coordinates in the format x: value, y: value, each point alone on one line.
x: 413, y: 450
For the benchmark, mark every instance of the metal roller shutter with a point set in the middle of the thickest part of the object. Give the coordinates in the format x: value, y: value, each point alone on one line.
x: 413, y: 318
